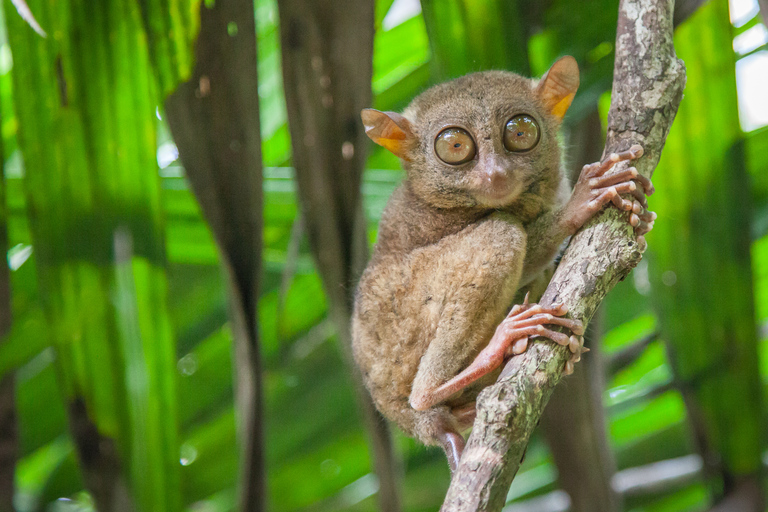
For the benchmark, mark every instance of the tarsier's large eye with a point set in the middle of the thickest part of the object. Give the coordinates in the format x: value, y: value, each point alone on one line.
x: 455, y: 146
x: 521, y: 133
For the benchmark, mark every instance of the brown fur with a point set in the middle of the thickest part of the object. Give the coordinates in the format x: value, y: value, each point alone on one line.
x: 447, y: 264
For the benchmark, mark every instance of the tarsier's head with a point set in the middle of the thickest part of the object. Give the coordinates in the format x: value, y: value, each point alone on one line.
x: 480, y: 140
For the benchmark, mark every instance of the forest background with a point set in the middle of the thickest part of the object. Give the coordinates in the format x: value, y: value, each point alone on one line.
x: 179, y: 272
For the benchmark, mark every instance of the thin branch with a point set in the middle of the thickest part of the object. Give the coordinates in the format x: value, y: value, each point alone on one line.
x: 645, y: 396
x: 647, y: 88
x: 574, y: 423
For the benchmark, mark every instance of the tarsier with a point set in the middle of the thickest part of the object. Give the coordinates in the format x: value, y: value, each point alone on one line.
x: 477, y: 223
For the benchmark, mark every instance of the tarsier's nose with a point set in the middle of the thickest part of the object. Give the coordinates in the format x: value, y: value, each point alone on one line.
x: 496, y: 177
x: 495, y: 174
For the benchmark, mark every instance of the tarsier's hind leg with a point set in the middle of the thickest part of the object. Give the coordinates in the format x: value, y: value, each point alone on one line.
x: 511, y: 338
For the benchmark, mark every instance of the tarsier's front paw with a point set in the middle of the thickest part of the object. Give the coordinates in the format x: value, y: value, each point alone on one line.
x: 595, y: 189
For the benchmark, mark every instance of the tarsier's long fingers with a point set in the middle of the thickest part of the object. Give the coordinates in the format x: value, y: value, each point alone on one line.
x: 612, y: 179
x: 645, y: 182
x: 519, y: 308
x: 534, y: 314
x: 575, y: 326
x: 608, y: 195
x: 521, y: 312
x: 597, y: 170
x: 641, y: 190
x: 619, y: 183
x: 644, y: 186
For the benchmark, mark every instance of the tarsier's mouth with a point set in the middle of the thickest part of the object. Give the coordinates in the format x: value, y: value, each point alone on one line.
x: 494, y: 197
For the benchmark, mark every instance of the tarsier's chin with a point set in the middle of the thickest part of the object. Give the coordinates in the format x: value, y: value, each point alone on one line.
x: 478, y: 220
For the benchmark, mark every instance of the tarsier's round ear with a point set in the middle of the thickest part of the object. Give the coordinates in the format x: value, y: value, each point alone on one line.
x: 389, y: 130
x: 558, y: 87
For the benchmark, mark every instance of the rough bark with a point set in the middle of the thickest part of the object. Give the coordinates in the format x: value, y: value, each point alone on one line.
x: 574, y: 421
x: 327, y: 48
x: 575, y: 427
x: 214, y: 118
x: 648, y: 83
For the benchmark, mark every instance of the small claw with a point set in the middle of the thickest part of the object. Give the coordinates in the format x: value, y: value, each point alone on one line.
x: 568, y: 368
x: 584, y: 350
x: 525, y: 300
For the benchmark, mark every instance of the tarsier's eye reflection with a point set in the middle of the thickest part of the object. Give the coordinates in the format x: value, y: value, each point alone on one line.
x: 455, y: 146
x: 521, y: 133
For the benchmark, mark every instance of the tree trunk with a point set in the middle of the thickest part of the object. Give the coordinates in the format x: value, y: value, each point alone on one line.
x: 647, y: 88
x: 574, y: 420
x: 575, y: 427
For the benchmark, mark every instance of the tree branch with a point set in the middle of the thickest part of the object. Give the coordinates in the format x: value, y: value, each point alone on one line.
x: 648, y: 83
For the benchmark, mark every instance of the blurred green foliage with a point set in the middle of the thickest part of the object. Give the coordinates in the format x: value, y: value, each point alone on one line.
x: 83, y: 322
